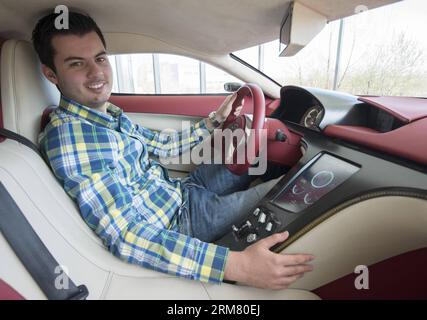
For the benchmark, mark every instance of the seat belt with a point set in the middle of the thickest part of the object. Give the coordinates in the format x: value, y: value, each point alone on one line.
x: 21, y: 139
x: 34, y: 255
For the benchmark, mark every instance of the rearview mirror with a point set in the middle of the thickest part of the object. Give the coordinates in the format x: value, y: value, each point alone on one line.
x: 232, y: 86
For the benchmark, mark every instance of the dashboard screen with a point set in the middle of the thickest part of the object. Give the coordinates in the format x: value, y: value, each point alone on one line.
x: 322, y: 176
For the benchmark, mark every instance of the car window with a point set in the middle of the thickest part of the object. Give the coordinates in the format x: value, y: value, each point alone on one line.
x: 166, y: 74
x: 380, y: 52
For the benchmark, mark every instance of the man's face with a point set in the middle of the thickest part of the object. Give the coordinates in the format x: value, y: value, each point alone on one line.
x: 83, y: 72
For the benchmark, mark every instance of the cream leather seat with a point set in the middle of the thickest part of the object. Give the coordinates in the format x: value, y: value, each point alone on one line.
x: 54, y: 216
x: 25, y: 91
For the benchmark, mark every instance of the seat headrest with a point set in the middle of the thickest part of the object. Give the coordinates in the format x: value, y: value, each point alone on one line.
x: 25, y: 90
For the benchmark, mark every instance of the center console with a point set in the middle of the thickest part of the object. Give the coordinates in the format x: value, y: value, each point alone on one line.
x: 314, y: 180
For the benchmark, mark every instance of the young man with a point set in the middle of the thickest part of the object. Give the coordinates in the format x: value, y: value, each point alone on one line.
x: 142, y: 215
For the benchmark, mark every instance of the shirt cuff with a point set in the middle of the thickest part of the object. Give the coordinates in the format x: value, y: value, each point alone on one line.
x: 210, y: 263
x: 202, y: 125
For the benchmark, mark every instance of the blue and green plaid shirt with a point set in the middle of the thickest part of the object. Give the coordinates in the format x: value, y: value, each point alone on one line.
x: 128, y: 199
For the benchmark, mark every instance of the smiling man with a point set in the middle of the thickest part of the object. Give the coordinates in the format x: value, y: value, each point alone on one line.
x: 72, y: 55
x: 141, y: 214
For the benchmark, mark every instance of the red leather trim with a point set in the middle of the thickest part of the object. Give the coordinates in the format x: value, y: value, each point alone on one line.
x: 270, y: 107
x: 405, y: 142
x: 361, y: 129
x: 1, y: 110
x: 8, y: 293
x: 194, y: 105
x: 404, y: 108
x: 199, y: 106
x: 400, y: 277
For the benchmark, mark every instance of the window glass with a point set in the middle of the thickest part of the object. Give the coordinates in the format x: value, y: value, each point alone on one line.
x: 133, y: 73
x: 382, y: 52
x: 166, y: 74
x: 178, y: 74
x: 142, y: 73
x: 216, y: 78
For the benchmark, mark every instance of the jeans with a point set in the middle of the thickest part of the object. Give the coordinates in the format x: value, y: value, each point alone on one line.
x: 214, y: 199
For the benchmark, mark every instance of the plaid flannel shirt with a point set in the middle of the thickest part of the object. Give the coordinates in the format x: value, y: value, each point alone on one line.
x: 128, y: 199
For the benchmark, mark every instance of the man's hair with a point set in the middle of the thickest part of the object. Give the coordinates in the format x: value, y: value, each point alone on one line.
x: 79, y: 24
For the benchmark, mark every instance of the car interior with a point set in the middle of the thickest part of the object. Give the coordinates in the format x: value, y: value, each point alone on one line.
x: 355, y: 193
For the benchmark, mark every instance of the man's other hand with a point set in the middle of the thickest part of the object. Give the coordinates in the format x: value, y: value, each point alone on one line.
x: 257, y: 266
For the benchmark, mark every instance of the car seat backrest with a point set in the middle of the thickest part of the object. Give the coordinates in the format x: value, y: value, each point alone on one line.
x: 25, y: 91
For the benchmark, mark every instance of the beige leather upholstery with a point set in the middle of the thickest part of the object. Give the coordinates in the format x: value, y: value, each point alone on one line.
x: 25, y: 91
x: 362, y: 234
x: 55, y: 217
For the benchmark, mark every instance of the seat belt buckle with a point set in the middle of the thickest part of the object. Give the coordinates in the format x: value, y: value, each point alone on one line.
x: 82, y: 294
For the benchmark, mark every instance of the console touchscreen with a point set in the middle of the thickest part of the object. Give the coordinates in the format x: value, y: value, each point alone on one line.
x: 319, y: 178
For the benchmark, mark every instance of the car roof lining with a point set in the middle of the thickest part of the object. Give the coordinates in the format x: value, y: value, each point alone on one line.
x: 222, y: 26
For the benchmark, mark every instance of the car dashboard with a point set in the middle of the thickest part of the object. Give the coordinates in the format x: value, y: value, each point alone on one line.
x: 316, y: 109
x: 333, y: 173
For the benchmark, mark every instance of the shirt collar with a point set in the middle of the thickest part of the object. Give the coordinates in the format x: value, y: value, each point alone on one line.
x: 108, y: 119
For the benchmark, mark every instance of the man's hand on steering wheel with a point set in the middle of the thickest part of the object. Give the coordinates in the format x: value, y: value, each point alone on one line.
x: 224, y: 111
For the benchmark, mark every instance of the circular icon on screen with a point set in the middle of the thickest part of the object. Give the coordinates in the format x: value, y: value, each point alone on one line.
x: 322, y: 179
x: 308, y: 198
x: 297, y: 189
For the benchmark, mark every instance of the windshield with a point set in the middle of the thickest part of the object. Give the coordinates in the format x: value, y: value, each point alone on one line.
x: 380, y: 52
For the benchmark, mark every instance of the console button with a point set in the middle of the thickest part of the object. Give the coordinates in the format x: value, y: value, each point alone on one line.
x: 262, y: 217
x: 251, y: 237
x: 256, y: 212
x: 269, y: 226
x: 243, y: 230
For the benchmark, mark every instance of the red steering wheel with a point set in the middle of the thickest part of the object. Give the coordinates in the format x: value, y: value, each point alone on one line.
x: 253, y: 138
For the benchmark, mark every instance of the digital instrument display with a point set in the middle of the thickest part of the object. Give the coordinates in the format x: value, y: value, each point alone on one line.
x: 319, y: 178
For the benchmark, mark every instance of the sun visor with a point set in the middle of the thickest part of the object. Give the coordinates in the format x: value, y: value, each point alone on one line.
x: 299, y: 26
